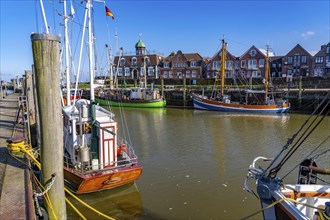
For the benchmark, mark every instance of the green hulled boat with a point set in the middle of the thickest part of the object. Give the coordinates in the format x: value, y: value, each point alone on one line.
x: 157, y: 103
x: 135, y: 97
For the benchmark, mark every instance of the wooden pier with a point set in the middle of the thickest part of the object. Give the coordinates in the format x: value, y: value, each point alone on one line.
x: 15, y: 186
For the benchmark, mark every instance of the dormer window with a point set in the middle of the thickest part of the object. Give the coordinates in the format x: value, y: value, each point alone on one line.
x: 167, y: 64
x: 122, y: 62
x: 253, y: 52
x: 134, y: 61
x: 193, y: 64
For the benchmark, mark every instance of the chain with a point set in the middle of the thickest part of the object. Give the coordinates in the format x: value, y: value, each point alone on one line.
x: 36, y: 195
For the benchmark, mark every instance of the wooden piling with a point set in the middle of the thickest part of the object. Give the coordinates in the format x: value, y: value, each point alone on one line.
x: 46, y: 56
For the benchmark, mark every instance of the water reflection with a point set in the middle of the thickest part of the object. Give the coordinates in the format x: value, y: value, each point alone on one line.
x: 195, y: 162
x: 120, y: 203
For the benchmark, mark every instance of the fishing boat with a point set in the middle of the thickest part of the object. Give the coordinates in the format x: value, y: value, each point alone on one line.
x: 222, y: 102
x: 138, y: 97
x: 96, y: 157
x: 309, y: 198
x: 133, y: 97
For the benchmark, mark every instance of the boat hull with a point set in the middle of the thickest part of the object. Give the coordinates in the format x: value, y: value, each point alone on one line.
x: 207, y: 104
x: 158, y: 103
x: 99, y: 180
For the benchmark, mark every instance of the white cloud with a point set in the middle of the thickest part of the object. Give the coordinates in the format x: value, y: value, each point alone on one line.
x: 307, y: 34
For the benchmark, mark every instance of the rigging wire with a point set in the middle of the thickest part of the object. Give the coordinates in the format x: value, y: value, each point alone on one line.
x: 308, y: 156
x: 301, y: 139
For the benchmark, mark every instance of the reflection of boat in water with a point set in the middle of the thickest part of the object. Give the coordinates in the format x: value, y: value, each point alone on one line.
x: 123, y: 202
x: 310, y: 197
x: 222, y: 102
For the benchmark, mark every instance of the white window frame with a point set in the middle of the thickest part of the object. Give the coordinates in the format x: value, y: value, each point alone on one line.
x: 261, y: 63
x: 193, y: 64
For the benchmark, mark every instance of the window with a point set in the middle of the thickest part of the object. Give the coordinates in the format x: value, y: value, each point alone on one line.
x: 165, y: 75
x: 134, y: 61
x: 147, y: 60
x: 256, y: 74
x: 142, y: 71
x: 193, y: 64
x: 188, y: 74
x: 229, y: 65
x: 252, y: 64
x: 303, y: 59
x: 289, y: 72
x: 327, y: 59
x: 243, y: 64
x: 127, y: 71
x: 179, y: 75
x: 120, y: 72
x: 319, y: 59
x: 122, y: 62
x: 328, y: 49
x: 290, y: 60
x: 261, y: 63
x: 167, y: 64
x: 253, y: 52
x: 216, y: 65
x: 194, y: 74
x: 273, y: 65
x: 209, y: 66
x: 151, y: 71
x: 237, y: 64
x: 170, y: 74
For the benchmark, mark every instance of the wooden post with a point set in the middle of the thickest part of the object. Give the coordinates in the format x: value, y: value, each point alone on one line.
x: 300, y: 91
x: 184, y: 91
x: 46, y: 56
x: 162, y: 87
x: 36, y: 109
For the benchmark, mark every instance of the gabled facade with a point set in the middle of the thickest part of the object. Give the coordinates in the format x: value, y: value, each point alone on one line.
x: 182, y: 66
x: 213, y: 67
x: 298, y: 62
x: 132, y: 66
x: 321, y: 61
x: 252, y: 63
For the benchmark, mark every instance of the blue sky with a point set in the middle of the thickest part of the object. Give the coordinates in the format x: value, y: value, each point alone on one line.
x: 166, y: 26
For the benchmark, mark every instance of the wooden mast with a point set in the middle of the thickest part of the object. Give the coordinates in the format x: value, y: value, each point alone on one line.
x: 223, y: 66
x: 266, y: 74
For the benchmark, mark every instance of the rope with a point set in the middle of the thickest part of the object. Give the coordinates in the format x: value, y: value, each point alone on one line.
x: 75, y: 209
x: 24, y: 148
x: 88, y: 206
x: 279, y: 201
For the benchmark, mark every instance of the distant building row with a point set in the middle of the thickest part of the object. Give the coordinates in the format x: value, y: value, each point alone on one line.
x: 179, y: 65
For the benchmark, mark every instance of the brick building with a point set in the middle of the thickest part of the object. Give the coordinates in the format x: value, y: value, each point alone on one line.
x: 321, y: 61
x: 182, y: 65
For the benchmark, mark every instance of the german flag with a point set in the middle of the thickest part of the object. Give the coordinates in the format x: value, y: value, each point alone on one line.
x: 108, y: 12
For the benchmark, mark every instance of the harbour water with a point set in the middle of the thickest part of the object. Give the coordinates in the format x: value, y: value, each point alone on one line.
x: 195, y: 162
